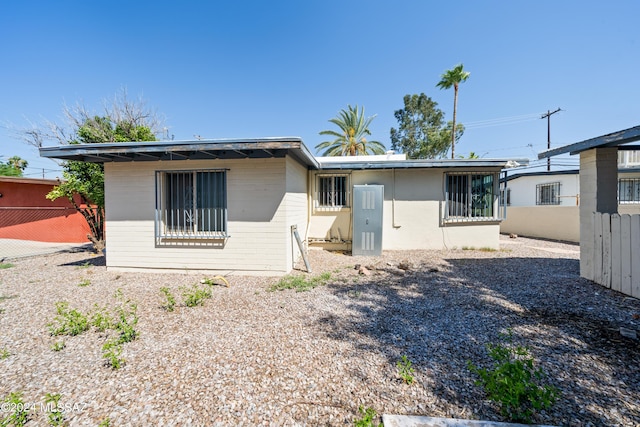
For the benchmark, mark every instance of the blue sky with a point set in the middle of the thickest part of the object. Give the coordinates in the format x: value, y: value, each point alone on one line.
x: 283, y: 68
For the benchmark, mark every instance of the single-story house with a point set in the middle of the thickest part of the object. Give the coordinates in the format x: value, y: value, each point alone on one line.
x: 546, y: 204
x: 609, y: 239
x: 233, y: 205
x: 27, y: 214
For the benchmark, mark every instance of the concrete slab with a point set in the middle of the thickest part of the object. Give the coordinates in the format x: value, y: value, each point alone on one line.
x: 13, y: 249
x: 421, y: 421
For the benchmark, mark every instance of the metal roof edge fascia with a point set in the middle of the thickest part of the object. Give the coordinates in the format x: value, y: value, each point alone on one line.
x: 411, y: 164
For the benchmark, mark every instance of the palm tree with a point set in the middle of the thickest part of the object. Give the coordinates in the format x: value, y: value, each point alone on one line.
x: 17, y: 163
x: 453, y: 78
x: 350, y: 141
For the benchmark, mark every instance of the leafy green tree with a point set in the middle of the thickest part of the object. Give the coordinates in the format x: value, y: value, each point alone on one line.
x: 351, y: 139
x: 453, y: 78
x: 422, y: 132
x: 86, y: 180
x: 83, y: 183
x: 13, y: 167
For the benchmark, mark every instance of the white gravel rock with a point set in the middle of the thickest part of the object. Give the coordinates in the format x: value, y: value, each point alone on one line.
x: 254, y: 357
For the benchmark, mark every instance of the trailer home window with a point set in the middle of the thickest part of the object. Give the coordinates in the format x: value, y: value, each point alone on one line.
x: 333, y: 191
x: 548, y: 194
x: 471, y: 197
x: 629, y: 190
x: 191, y: 204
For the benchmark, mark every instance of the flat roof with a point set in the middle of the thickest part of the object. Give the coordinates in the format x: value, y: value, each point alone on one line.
x: 184, y: 150
x: 613, y: 139
x: 27, y: 180
x: 242, y: 148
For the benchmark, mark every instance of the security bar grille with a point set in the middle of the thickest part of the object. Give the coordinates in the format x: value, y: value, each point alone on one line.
x: 629, y: 190
x: 191, y: 204
x: 471, y: 197
x: 548, y: 194
x: 333, y: 191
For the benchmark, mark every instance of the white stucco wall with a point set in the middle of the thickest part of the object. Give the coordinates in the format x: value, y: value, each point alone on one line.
x: 262, y: 205
x: 411, y: 213
x: 523, y: 188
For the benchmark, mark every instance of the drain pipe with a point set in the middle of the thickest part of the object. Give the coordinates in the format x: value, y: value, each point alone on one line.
x: 393, y: 199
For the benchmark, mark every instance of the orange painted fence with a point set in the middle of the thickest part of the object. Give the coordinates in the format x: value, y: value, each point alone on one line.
x: 26, y: 213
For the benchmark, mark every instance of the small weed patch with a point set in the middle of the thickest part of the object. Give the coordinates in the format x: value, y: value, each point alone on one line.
x: 58, y: 346
x: 300, y: 283
x: 85, y: 282
x: 4, y: 265
x: 170, y: 301
x: 369, y: 418
x: 195, y: 295
x: 55, y: 415
x: 4, y: 354
x: 68, y: 321
x: 513, y: 382
x: 17, y: 413
x: 112, y: 352
x: 405, y: 370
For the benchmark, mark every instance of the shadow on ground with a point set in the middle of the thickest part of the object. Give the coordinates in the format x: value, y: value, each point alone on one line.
x: 441, y: 318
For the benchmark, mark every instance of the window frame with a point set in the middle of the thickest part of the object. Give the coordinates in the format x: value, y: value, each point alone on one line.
x: 320, y: 195
x: 202, y: 226
x: 464, y: 206
x: 554, y: 198
x: 634, y: 193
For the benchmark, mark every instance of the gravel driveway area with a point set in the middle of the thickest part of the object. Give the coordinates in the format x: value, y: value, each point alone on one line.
x: 250, y: 356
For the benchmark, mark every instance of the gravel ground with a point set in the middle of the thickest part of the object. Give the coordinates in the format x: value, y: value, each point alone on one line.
x: 254, y: 357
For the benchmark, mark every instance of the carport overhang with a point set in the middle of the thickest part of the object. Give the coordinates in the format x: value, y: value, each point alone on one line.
x: 615, y: 139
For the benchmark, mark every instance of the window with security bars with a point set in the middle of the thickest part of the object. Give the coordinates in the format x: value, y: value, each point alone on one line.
x: 505, y: 196
x: 333, y: 191
x: 548, y: 194
x: 191, y: 204
x: 629, y: 190
x: 471, y: 197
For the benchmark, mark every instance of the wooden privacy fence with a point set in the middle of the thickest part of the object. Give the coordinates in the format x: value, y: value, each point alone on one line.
x: 617, y: 252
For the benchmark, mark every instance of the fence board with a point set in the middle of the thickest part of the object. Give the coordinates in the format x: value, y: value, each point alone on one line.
x: 635, y: 256
x: 606, y: 250
x: 597, y: 248
x: 625, y: 254
x: 616, y: 253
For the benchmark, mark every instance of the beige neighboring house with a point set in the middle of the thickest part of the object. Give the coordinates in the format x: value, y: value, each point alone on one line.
x: 233, y: 205
x: 609, y: 227
x: 546, y: 204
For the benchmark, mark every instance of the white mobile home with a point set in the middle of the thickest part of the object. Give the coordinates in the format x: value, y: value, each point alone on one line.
x: 231, y: 205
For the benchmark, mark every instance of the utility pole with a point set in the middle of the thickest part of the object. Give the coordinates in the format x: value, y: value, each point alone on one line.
x: 548, y: 117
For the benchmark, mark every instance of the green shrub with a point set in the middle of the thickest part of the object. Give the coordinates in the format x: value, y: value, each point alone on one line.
x: 4, y: 354
x: 405, y: 370
x: 513, y: 382
x: 368, y: 419
x: 170, y: 301
x: 300, y: 283
x: 68, y: 321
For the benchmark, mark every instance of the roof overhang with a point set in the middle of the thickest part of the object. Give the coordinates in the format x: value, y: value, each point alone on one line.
x: 614, y: 139
x: 424, y: 164
x: 253, y: 148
